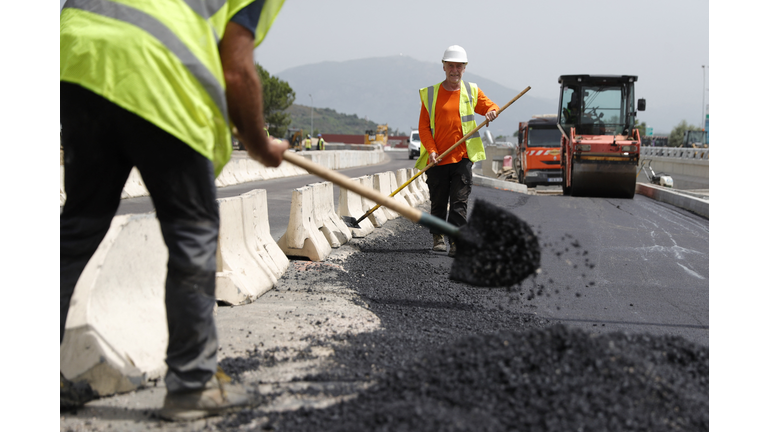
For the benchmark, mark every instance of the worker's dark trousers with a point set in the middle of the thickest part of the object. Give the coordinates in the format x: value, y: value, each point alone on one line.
x: 102, y: 142
x: 450, y: 184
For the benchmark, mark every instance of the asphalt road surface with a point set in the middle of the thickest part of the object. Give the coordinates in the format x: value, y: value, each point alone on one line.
x: 611, y: 334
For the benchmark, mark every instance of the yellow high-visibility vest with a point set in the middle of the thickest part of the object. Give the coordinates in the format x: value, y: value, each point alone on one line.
x: 159, y: 60
x: 467, y: 105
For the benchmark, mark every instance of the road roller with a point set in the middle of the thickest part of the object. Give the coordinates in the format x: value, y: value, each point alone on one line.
x: 599, y: 143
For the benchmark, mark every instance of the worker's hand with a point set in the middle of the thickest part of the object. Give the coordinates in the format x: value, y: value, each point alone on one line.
x: 433, y: 158
x: 491, y: 116
x: 272, y: 155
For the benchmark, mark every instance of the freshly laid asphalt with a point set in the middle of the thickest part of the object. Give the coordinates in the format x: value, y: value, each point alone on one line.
x: 611, y: 334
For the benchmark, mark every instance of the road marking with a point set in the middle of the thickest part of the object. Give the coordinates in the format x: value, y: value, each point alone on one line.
x: 691, y: 272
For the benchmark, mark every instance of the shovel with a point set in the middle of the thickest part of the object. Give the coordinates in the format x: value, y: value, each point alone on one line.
x: 439, y: 158
x: 494, y: 249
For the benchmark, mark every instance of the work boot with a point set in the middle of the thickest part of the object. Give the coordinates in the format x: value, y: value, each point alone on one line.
x: 452, y: 251
x: 74, y: 395
x: 439, y: 243
x: 217, y: 397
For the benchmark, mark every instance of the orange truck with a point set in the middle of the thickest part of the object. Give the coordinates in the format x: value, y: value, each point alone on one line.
x: 537, y: 159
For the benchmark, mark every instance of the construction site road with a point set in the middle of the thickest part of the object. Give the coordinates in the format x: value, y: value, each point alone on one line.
x: 612, y: 334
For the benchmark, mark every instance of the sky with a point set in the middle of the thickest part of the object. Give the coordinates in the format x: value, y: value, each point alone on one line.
x: 517, y: 44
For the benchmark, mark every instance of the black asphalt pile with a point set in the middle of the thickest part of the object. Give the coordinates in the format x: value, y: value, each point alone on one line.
x: 455, y: 357
x: 552, y: 379
x: 496, y: 249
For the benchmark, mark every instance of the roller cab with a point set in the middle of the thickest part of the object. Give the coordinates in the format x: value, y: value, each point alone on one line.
x: 599, y: 143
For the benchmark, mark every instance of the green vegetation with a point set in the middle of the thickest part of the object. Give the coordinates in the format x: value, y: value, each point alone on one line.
x: 641, y: 127
x: 676, y: 137
x: 328, y: 121
x: 277, y: 96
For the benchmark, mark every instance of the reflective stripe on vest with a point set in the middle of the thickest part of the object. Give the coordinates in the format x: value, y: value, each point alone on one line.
x: 159, y: 60
x: 467, y: 105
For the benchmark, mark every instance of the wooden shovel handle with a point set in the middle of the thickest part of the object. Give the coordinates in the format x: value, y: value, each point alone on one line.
x: 410, y: 213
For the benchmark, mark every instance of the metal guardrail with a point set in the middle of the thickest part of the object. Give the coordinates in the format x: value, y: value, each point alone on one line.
x: 676, y: 152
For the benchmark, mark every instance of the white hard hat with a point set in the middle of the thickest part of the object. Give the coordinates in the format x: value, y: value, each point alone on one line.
x: 455, y: 53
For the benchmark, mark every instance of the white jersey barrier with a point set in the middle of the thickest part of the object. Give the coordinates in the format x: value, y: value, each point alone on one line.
x: 378, y: 218
x: 116, y: 331
x: 416, y: 186
x: 351, y: 204
x: 401, y: 176
x: 303, y: 237
x: 333, y: 227
x: 248, y: 261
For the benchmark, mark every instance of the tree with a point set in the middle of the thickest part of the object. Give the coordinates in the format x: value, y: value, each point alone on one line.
x: 676, y: 137
x: 277, y: 96
x: 641, y: 127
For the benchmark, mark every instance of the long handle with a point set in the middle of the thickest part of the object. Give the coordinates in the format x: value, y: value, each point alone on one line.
x: 410, y: 213
x: 445, y: 153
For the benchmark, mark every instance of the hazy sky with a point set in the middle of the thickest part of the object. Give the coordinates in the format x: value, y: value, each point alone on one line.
x: 517, y: 44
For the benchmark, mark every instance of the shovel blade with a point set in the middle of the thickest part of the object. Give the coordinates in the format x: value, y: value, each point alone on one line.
x: 350, y: 222
x: 495, y: 248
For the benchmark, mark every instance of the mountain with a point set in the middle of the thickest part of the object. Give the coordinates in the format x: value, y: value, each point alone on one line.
x: 327, y: 120
x: 386, y: 90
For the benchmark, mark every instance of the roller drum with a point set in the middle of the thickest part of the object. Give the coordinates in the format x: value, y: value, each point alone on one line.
x: 603, y: 179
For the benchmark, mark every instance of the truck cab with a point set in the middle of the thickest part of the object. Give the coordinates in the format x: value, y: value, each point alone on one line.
x: 414, y: 145
x: 538, y: 151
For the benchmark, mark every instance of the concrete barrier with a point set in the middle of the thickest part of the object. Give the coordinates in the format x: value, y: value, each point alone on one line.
x: 246, y: 269
x: 258, y: 234
x: 677, y: 199
x: 421, y: 184
x: 416, y: 186
x: 381, y: 182
x: 331, y: 224
x: 134, y: 185
x: 377, y: 218
x: 401, y: 176
x: 116, y: 331
x: 303, y: 237
x: 393, y: 187
x: 499, y: 184
x: 351, y: 204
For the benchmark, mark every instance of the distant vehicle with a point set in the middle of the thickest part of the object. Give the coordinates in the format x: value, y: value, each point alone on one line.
x: 379, y: 136
x: 696, y: 139
x: 414, y: 145
x: 655, y: 141
x: 295, y: 137
x: 537, y: 158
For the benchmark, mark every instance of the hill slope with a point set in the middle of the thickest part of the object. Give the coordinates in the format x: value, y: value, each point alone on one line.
x: 327, y: 120
x: 385, y: 90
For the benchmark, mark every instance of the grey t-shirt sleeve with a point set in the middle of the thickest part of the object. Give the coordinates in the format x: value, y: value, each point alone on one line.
x: 248, y: 16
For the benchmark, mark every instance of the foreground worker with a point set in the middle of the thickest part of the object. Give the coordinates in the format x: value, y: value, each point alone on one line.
x: 154, y: 85
x: 447, y: 114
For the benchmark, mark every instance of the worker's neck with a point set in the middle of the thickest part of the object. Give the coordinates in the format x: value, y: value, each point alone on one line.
x: 452, y: 86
